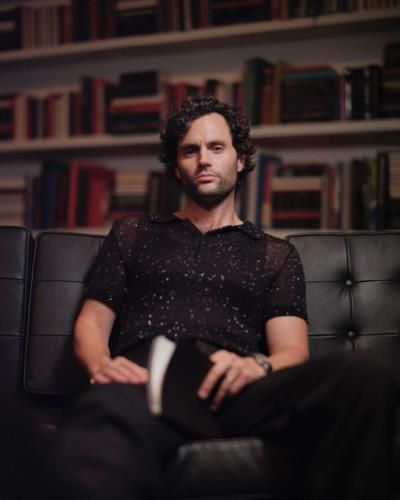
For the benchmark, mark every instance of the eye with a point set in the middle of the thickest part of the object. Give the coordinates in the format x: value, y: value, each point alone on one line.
x: 190, y: 151
x: 217, y: 148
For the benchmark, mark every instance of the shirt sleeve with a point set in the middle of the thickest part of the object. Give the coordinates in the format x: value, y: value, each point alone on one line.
x: 108, y: 280
x: 287, y: 294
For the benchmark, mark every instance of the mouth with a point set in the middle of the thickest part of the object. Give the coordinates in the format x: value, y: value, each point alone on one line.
x: 206, y: 177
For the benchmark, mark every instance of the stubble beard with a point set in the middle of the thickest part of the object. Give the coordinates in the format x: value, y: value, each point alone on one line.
x: 207, y: 199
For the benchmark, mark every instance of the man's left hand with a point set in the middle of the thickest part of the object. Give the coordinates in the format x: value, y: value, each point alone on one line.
x: 232, y: 372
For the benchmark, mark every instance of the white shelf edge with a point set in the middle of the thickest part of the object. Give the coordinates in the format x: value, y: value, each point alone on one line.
x: 168, y: 39
x: 86, y: 143
x: 321, y: 129
x: 260, y: 133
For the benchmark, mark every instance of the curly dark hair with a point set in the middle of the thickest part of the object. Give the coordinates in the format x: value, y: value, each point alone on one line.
x: 194, y: 107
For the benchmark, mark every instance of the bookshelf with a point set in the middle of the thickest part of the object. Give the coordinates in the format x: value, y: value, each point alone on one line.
x: 337, y: 39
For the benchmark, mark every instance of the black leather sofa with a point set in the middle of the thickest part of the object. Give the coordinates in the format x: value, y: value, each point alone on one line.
x: 353, y: 294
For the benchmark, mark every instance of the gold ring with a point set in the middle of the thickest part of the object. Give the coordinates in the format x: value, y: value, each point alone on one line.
x: 92, y: 381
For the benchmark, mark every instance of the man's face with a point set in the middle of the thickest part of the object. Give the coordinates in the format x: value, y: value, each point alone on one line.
x: 207, y: 162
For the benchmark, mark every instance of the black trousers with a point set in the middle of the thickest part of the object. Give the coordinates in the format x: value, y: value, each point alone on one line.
x: 336, y: 413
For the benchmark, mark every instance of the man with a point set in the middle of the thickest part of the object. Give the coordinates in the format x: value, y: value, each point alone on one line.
x: 203, y: 273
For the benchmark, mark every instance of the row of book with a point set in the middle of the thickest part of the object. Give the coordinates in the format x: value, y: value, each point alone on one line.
x: 281, y: 93
x: 32, y: 24
x: 81, y: 194
x: 363, y: 193
x: 137, y: 103
x: 269, y: 93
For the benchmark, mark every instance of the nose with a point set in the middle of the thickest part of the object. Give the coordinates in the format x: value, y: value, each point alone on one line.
x: 204, y: 156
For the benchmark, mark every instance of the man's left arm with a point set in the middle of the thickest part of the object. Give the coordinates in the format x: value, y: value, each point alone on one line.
x: 287, y: 342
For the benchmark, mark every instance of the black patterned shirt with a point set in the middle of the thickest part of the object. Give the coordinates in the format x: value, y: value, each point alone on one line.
x: 163, y: 276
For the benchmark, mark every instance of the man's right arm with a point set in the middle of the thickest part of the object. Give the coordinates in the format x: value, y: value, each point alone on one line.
x: 91, y: 337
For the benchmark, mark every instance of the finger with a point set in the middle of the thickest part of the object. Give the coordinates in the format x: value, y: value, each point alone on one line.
x: 119, y: 373
x: 237, y: 385
x: 135, y: 369
x: 115, y: 374
x: 135, y: 373
x: 116, y: 370
x: 128, y: 364
x: 225, y: 388
x: 221, y: 355
x: 215, y: 374
x: 99, y: 378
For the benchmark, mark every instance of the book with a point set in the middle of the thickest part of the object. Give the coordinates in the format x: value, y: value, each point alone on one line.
x: 309, y: 93
x: 88, y: 194
x: 362, y: 92
x: 258, y: 190
x: 258, y: 76
x: 299, y: 196
x: 175, y: 374
x: 240, y: 11
x: 98, y: 184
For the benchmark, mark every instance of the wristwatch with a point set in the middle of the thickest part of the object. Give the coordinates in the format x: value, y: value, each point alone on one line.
x: 262, y: 361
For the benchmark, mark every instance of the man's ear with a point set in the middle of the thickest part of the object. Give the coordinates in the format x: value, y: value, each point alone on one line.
x: 240, y: 164
x: 177, y: 173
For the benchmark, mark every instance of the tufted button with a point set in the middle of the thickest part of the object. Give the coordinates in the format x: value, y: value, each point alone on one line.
x: 349, y: 283
x: 351, y: 334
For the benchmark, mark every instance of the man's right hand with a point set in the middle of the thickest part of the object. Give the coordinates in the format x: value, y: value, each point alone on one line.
x: 120, y: 370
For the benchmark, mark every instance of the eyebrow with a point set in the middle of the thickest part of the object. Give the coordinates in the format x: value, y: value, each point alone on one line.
x: 189, y: 145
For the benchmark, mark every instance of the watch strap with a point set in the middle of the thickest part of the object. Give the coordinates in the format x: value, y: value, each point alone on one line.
x: 263, y: 361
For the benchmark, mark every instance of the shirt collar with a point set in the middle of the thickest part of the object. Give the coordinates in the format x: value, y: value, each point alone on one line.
x: 247, y: 227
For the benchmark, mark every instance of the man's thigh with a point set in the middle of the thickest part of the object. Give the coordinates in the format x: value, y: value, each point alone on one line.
x: 122, y: 409
x: 286, y: 402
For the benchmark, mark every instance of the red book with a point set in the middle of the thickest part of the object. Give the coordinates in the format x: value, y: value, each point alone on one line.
x: 180, y: 93
x: 99, y: 104
x: 29, y: 118
x: 13, y: 122
x: 5, y: 127
x: 66, y: 23
x: 51, y: 100
x: 77, y: 126
x: 204, y: 16
x: 276, y: 9
x: 88, y: 194
x: 72, y: 203
x: 110, y: 13
x: 267, y: 96
x: 99, y: 182
x: 93, y: 22
x: 296, y: 214
x: 266, y: 209
x: 144, y: 107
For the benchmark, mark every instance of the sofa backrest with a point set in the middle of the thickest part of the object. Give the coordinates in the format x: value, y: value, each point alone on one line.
x: 353, y: 293
x: 16, y: 247
x: 62, y: 262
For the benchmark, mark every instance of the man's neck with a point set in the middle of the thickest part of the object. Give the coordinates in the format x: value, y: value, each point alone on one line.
x: 207, y: 219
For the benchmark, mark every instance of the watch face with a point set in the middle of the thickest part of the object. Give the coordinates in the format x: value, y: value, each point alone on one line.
x: 263, y: 362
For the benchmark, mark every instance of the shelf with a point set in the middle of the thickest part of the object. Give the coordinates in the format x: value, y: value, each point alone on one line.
x: 341, y: 133
x: 380, y: 132
x: 76, y: 145
x: 199, y: 39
